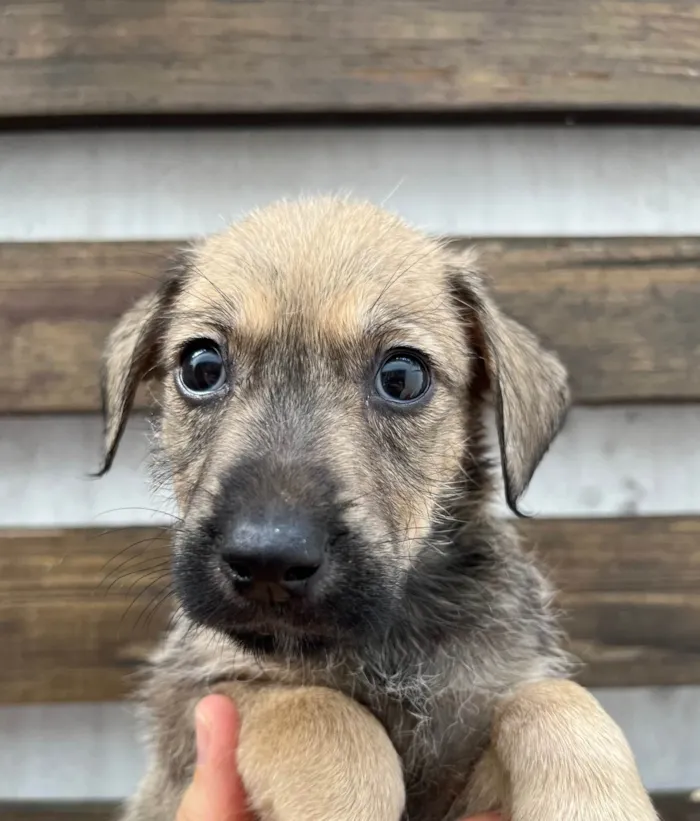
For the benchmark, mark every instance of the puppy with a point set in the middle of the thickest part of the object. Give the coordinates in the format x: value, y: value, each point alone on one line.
x: 339, y: 571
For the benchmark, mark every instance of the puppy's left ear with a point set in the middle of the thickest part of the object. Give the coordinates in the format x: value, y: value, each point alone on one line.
x: 529, y: 384
x: 131, y: 355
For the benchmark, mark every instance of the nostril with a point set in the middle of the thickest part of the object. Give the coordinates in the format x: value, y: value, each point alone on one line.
x: 242, y: 572
x: 300, y: 573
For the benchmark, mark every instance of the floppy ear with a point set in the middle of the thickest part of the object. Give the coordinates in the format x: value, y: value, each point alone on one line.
x: 131, y: 356
x: 529, y: 384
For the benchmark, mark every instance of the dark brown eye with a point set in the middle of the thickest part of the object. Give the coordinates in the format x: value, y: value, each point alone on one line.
x: 402, y: 377
x: 202, y: 369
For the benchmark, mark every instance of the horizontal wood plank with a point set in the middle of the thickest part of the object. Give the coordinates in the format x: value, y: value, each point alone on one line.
x: 671, y: 807
x: 630, y: 594
x: 678, y: 807
x: 62, y: 811
x: 190, y: 56
x: 618, y: 311
x: 76, y: 618
x: 58, y: 302
x: 79, y: 609
x: 621, y: 312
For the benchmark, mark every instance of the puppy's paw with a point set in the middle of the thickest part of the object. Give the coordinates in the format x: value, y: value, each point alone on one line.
x: 565, y: 759
x: 313, y: 754
x: 599, y: 808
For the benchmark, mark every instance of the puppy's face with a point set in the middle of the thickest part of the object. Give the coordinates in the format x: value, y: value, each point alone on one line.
x: 316, y: 365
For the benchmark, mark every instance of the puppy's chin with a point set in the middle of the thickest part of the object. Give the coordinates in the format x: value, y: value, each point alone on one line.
x: 293, y: 630
x: 290, y: 634
x: 293, y: 634
x: 282, y: 644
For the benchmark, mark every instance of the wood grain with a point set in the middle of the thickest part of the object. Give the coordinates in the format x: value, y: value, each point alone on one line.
x: 630, y: 592
x: 57, y: 304
x: 677, y: 806
x: 61, y: 811
x: 146, y: 56
x: 76, y: 606
x: 621, y: 312
x: 630, y: 588
x: 671, y: 807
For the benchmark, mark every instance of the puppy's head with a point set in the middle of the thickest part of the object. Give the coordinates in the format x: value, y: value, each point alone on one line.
x: 318, y: 365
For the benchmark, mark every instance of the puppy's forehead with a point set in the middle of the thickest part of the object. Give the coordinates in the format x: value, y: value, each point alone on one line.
x: 341, y: 268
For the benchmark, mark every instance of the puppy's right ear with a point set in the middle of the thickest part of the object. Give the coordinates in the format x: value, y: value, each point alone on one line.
x: 131, y: 356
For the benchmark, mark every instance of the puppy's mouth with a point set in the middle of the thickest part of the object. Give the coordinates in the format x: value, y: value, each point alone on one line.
x: 347, y: 605
x: 266, y: 610
x: 267, y: 626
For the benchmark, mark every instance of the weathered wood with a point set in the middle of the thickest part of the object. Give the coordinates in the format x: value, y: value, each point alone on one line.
x: 630, y: 588
x: 146, y: 56
x: 76, y: 611
x: 622, y: 313
x: 678, y: 806
x: 671, y: 807
x: 60, y: 811
x: 57, y: 304
x: 630, y: 591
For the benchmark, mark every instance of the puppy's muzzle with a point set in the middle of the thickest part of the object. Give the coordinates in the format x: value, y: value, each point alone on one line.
x: 274, y: 557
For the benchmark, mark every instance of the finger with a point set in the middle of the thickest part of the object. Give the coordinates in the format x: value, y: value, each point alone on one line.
x: 216, y: 792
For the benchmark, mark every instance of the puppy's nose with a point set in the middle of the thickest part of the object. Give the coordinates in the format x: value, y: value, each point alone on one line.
x: 272, y: 559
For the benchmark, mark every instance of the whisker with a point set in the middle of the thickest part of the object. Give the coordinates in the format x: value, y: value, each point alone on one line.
x: 145, y: 590
x: 149, y: 540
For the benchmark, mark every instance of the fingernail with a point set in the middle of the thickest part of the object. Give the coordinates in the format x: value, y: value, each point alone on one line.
x: 203, y: 736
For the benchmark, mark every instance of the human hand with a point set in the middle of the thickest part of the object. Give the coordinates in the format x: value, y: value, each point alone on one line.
x: 216, y: 792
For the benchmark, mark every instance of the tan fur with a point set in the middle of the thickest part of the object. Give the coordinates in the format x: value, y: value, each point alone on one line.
x: 454, y: 701
x: 589, y: 774
x: 362, y: 777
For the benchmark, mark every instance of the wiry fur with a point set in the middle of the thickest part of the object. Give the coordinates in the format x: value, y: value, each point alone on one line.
x: 390, y: 694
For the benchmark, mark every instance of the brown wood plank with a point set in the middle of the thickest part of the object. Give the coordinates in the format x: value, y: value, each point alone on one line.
x: 60, y: 811
x: 144, y: 56
x: 630, y: 591
x: 622, y: 313
x: 630, y: 587
x: 678, y: 806
x: 75, y: 611
x: 671, y: 807
x: 57, y: 304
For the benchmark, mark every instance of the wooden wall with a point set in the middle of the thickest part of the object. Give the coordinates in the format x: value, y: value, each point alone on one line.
x: 128, y: 127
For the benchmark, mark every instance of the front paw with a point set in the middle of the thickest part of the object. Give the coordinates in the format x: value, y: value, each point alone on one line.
x: 566, y: 759
x: 313, y: 754
x: 597, y: 807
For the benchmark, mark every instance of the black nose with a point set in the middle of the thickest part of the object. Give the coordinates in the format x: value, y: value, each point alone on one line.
x: 273, y: 558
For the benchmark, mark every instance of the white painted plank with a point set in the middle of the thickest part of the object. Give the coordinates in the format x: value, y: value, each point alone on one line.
x: 69, y: 751
x: 106, y: 184
x: 91, y: 751
x: 663, y: 727
x: 608, y: 461
x: 621, y: 461
x: 47, y: 462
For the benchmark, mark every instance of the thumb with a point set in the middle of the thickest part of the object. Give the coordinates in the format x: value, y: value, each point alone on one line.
x: 216, y: 792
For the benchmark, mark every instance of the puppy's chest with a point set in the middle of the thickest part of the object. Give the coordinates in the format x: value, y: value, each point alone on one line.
x: 439, y: 748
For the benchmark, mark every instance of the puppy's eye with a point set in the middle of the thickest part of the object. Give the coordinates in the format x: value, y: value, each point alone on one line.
x: 402, y: 377
x: 202, y: 368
